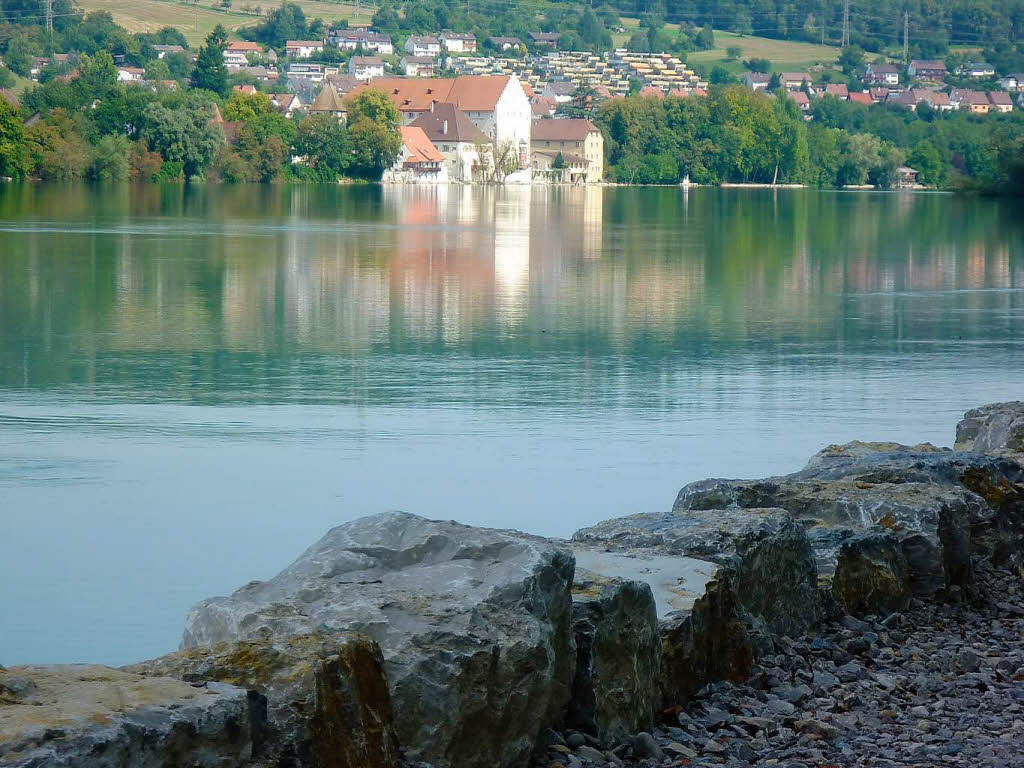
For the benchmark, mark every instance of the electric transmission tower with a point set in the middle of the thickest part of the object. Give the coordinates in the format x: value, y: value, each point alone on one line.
x: 906, y: 37
x: 846, y: 24
x: 49, y: 16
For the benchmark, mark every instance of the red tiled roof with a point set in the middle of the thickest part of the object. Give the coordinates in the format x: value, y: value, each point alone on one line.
x: 470, y: 93
x: 859, y: 97
x: 421, y: 150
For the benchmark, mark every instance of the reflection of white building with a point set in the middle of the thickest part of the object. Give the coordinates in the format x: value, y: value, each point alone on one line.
x: 511, y: 254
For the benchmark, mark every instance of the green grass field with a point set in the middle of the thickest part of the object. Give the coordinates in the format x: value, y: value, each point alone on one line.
x: 785, y: 55
x: 197, y: 20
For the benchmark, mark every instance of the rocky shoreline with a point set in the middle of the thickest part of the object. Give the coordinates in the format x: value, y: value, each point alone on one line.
x: 865, y: 610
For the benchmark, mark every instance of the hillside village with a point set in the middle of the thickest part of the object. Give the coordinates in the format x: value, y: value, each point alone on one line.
x: 522, y: 110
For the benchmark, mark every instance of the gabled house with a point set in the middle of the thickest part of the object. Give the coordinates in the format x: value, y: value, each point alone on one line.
x: 556, y: 166
x: 801, y: 100
x: 977, y: 70
x: 571, y: 137
x: 286, y: 103
x: 838, y: 90
x: 793, y: 81
x: 1000, y: 101
x: 458, y: 42
x: 423, y: 45
x: 354, y: 39
x: 417, y: 66
x: 975, y: 102
x: 455, y: 136
x: 303, y: 49
x: 506, y: 44
x: 927, y: 69
x: 756, y: 81
x: 237, y: 54
x: 882, y: 74
x: 860, y: 97
x: 419, y: 162
x: 1013, y: 81
x: 545, y: 39
x: 559, y: 91
x: 365, y: 67
x: 878, y: 94
x: 906, y: 178
x: 131, y: 74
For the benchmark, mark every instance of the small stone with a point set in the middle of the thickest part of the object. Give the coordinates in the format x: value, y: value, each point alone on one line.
x: 644, y: 745
x: 587, y: 752
x: 780, y: 707
x: 675, y: 748
x: 575, y: 739
x: 712, y: 747
x: 560, y: 748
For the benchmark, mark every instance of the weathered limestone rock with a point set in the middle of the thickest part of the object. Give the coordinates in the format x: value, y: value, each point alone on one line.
x: 88, y: 716
x: 871, y: 574
x: 758, y: 575
x: 992, y: 428
x: 933, y: 522
x: 475, y: 626
x: 327, y: 696
x: 765, y: 552
x: 617, y: 689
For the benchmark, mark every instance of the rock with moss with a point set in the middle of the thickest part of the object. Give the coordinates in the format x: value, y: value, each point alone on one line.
x: 617, y: 688
x: 871, y: 575
x: 475, y: 626
x: 89, y: 716
x: 326, y: 695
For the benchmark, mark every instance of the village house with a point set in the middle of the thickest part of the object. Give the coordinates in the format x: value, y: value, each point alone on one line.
x: 578, y: 137
x: 966, y: 100
x: 458, y: 42
x: 237, y: 54
x: 879, y: 95
x: 838, y: 90
x: 801, y: 100
x: 423, y: 45
x: 559, y: 91
x: 355, y: 39
x: 1000, y: 101
x: 756, y: 81
x: 1013, y: 81
x: 417, y: 66
x: 911, y: 97
x: 906, y: 178
x: 163, y: 50
x: 927, y: 69
x: 545, y: 39
x: 287, y: 103
x: 329, y: 102
x: 882, y: 74
x: 793, y: 81
x: 313, y: 74
x: 546, y: 166
x: 303, y: 49
x: 861, y: 97
x: 365, y: 67
x: 130, y: 74
x: 506, y: 44
x: 456, y: 137
x: 419, y: 162
x: 496, y: 104
x: 248, y: 90
x: 260, y: 73
x: 977, y: 70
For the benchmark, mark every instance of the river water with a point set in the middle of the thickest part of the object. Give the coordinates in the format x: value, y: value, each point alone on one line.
x: 196, y: 383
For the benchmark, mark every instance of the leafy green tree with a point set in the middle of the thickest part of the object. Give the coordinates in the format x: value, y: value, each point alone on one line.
x: 157, y: 70
x: 851, y: 59
x: 210, y: 73
x: 97, y: 78
x: 111, y: 159
x: 13, y: 152
x: 559, y: 161
x: 928, y: 163
x: 184, y: 135
x: 373, y: 122
x: 56, y: 147
x: 733, y: 52
x: 324, y: 143
x: 287, y: 22
x: 6, y: 77
x: 247, y: 106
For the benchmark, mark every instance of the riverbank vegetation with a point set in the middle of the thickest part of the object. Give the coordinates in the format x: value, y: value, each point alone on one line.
x: 738, y: 135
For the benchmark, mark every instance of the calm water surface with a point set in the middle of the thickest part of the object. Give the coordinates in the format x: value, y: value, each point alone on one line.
x: 196, y: 384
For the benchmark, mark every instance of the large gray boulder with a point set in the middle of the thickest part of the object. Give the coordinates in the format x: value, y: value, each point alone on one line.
x: 723, y: 581
x: 475, y: 626
x: 617, y: 689
x: 994, y: 428
x: 933, y: 522
x: 326, y: 696
x: 88, y: 716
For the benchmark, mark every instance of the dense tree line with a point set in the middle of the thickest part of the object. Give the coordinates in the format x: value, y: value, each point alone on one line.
x: 738, y: 135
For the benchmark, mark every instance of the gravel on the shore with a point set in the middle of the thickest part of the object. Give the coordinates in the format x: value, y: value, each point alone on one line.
x: 941, y: 684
